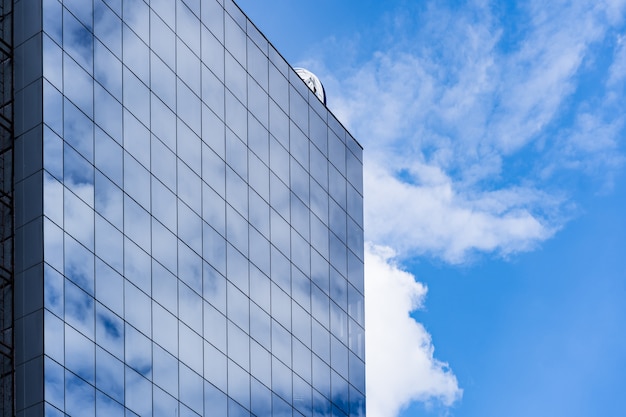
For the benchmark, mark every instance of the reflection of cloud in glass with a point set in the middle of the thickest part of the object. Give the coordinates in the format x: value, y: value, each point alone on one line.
x: 105, y: 406
x: 79, y: 355
x: 54, y: 382
x: 110, y: 375
x: 79, y: 309
x: 109, y: 331
x: 79, y: 396
x: 191, y: 389
x: 164, y: 203
x: 138, y: 393
x: 164, y: 404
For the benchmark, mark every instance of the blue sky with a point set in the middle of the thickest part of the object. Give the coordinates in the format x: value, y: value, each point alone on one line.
x: 495, y: 186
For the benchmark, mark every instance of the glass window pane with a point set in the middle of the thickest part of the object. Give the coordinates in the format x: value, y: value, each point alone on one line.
x: 236, y: 78
x: 137, y: 266
x: 260, y: 288
x: 78, y: 40
x: 164, y: 287
x: 79, y: 264
x: 258, y: 139
x: 136, y: 96
x: 109, y: 333
x: 190, y: 267
x: 213, y: 129
x: 108, y: 70
x: 54, y: 377
x: 191, y: 388
x: 279, y: 91
x: 109, y: 288
x: 235, y: 40
x: 214, y: 168
x: 237, y: 234
x: 212, y: 52
x: 238, y: 384
x: 238, y: 307
x: 109, y: 200
x: 136, y: 139
x: 109, y: 243
x: 188, y: 66
x: 53, y: 290
x: 52, y: 20
x: 215, y: 367
x: 78, y: 130
x: 215, y: 401
x: 166, y: 333
x: 138, y: 352
x: 166, y: 10
x: 165, y: 159
x: 237, y: 155
x: 260, y: 331
x: 214, y: 250
x: 136, y: 181
x: 260, y: 397
x: 190, y: 348
x: 189, y: 107
x: 108, y: 27
x: 137, y: 309
x: 80, y: 354
x: 190, y: 311
x: 238, y: 346
x: 136, y: 223
x: 109, y: 375
x: 162, y: 40
x: 163, y: 81
x: 189, y: 187
x: 79, y: 396
x: 237, y: 192
x: 137, y: 17
x: 188, y: 25
x: 79, y: 177
x: 164, y: 246
x: 189, y: 147
x: 164, y: 404
x: 213, y: 209
x: 138, y: 393
x: 213, y: 17
x: 53, y: 153
x: 109, y: 157
x: 236, y: 116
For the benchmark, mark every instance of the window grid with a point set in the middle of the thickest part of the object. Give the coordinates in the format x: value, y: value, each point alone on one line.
x: 343, y: 322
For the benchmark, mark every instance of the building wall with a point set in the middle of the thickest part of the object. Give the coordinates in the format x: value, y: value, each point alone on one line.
x: 6, y: 211
x: 189, y: 227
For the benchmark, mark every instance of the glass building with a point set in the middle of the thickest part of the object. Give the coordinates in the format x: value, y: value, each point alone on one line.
x: 181, y: 219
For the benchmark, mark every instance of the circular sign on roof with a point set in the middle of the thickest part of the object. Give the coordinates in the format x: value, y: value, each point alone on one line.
x: 312, y: 82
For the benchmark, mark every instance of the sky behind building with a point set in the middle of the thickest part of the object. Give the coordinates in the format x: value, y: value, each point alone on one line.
x: 494, y: 190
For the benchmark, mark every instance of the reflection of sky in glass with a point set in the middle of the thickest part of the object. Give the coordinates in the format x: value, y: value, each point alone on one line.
x: 202, y: 259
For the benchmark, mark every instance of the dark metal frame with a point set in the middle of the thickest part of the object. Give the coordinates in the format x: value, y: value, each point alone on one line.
x: 7, y: 369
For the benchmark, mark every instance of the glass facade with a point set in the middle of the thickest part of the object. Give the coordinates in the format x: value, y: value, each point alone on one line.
x: 188, y: 219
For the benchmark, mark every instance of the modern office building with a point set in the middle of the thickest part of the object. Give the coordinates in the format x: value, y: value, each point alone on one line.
x: 181, y: 219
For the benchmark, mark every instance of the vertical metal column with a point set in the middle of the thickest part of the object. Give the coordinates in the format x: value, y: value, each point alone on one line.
x: 6, y: 210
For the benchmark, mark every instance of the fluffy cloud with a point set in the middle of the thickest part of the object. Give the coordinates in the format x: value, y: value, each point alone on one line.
x: 437, y: 220
x: 469, y: 120
x: 400, y: 363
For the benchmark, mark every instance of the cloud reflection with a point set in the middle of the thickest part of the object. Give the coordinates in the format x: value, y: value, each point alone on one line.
x: 171, y: 293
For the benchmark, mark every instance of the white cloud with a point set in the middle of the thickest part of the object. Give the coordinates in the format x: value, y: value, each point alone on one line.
x: 401, y: 367
x: 435, y: 219
x: 465, y: 122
